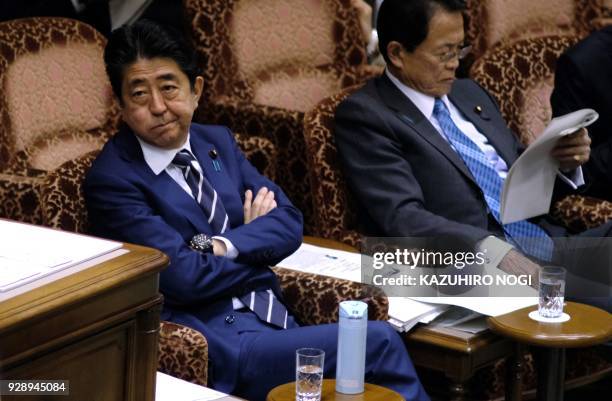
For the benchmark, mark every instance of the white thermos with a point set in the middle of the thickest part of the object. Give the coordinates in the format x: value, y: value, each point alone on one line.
x: 352, y: 332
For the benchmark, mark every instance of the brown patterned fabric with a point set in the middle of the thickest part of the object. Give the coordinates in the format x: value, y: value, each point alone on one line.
x: 314, y: 299
x: 521, y: 77
x: 56, y: 104
x: 579, y: 213
x: 335, y: 216
x: 266, y: 62
x: 489, y: 383
x: 183, y: 353
x: 260, y: 152
x: 490, y: 22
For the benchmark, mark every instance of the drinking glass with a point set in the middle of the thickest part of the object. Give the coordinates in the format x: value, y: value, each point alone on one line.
x: 552, y: 291
x: 308, y: 374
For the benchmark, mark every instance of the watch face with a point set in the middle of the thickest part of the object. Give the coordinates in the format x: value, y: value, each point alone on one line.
x: 201, y: 242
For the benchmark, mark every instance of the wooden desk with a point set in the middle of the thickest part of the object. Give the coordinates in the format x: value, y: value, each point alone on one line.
x: 372, y: 392
x: 588, y: 326
x: 97, y: 328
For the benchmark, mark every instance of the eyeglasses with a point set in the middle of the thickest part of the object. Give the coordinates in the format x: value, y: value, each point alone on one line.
x: 459, y: 53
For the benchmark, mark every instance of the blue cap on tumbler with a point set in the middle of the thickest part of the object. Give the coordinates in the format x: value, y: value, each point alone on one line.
x: 352, y: 331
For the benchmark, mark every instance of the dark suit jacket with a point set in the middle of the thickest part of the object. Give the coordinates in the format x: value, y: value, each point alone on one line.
x: 407, y: 178
x: 583, y: 78
x: 127, y: 202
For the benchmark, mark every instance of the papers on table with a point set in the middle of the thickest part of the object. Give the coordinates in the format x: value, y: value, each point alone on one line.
x: 405, y: 313
x: 170, y: 388
x: 325, y: 261
x: 529, y: 185
x: 30, y: 252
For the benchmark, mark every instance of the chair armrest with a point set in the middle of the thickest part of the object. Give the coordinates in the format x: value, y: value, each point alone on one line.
x: 579, y: 213
x: 183, y: 353
x: 314, y: 299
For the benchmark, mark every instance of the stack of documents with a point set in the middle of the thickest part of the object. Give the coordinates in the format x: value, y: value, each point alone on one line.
x: 30, y: 252
x: 406, y: 312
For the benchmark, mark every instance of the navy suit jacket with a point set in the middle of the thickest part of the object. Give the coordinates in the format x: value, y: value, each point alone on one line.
x: 407, y: 178
x: 128, y: 202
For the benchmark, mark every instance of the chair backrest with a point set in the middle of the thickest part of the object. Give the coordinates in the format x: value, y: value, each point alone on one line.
x: 56, y: 100
x: 520, y: 76
x: 275, y: 53
x: 493, y: 21
x: 335, y: 214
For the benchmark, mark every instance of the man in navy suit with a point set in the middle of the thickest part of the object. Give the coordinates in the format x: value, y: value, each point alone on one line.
x: 426, y: 154
x: 186, y: 189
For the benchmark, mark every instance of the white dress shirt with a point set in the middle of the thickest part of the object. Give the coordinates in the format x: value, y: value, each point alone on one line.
x: 159, y: 160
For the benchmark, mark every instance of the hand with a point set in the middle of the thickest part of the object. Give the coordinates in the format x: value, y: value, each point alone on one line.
x: 260, y: 206
x: 219, y: 247
x: 573, y: 150
x: 516, y: 263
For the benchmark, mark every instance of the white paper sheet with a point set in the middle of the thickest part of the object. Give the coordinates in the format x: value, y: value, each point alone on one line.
x: 170, y: 388
x: 529, y: 185
x: 29, y: 252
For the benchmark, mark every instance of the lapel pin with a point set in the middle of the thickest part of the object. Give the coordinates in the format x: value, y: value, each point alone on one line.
x: 478, y: 109
x: 213, y: 155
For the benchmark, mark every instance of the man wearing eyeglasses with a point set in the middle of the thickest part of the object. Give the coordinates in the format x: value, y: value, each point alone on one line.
x: 426, y: 154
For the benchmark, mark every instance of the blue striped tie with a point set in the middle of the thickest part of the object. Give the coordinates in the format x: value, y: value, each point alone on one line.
x: 202, y: 191
x: 267, y: 307
x: 527, y: 236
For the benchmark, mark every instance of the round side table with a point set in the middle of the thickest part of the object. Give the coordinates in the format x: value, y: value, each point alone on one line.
x: 286, y: 392
x: 587, y: 326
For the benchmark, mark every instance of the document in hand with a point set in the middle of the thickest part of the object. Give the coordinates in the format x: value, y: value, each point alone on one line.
x: 529, y: 185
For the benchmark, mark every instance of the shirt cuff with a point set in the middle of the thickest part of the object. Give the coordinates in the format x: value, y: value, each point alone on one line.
x: 573, y: 178
x: 494, y: 249
x: 232, y: 251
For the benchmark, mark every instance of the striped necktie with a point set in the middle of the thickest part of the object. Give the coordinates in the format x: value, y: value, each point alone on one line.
x: 202, y: 191
x: 267, y: 307
x: 527, y: 236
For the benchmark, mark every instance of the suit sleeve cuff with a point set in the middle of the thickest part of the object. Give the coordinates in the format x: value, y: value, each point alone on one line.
x: 573, y: 178
x: 494, y: 249
x: 232, y: 251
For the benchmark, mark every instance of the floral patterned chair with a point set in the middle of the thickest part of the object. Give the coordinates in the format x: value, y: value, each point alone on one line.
x: 56, y: 104
x: 490, y: 22
x: 521, y: 77
x: 266, y: 62
x: 335, y: 216
x: 183, y: 352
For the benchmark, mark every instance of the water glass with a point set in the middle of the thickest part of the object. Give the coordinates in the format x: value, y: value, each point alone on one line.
x: 552, y: 291
x: 308, y: 374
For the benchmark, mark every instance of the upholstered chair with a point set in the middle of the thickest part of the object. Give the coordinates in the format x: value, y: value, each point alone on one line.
x: 335, y: 215
x: 490, y: 22
x: 56, y: 104
x: 183, y: 352
x: 521, y: 77
x: 266, y: 62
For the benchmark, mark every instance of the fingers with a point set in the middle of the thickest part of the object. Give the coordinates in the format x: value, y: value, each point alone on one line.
x: 248, y: 200
x: 263, y: 203
x: 578, y: 138
x: 573, y: 150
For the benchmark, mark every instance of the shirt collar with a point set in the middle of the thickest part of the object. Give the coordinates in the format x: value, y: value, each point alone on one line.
x: 423, y: 102
x: 159, y: 159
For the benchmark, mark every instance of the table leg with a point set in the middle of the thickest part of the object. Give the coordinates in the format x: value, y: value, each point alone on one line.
x: 458, y: 391
x: 514, y: 374
x: 551, y: 374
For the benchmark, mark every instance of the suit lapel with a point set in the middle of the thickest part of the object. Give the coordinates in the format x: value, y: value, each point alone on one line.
x: 412, y: 116
x: 497, y: 136
x: 162, y: 184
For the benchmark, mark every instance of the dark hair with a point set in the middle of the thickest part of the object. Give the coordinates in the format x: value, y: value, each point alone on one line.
x: 146, y: 39
x: 407, y: 21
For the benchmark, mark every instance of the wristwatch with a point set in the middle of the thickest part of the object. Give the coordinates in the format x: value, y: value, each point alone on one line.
x: 202, y: 243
